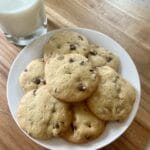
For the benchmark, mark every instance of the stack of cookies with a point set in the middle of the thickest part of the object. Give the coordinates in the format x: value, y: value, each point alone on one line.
x: 73, y: 90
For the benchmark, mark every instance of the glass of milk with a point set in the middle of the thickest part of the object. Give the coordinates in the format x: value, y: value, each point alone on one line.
x: 22, y: 20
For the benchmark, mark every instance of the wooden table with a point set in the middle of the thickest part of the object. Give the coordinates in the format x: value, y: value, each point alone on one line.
x: 127, y: 22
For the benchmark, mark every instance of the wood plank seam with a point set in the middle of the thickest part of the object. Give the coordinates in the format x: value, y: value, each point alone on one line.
x: 129, y: 14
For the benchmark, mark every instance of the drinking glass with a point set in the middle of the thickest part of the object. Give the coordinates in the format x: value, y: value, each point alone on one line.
x: 22, y: 20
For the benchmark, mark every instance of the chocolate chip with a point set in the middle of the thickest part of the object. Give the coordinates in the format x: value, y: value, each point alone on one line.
x: 81, y: 87
x: 25, y: 70
x: 72, y: 47
x: 67, y: 72
x: 34, y: 92
x: 93, y: 52
x: 31, y: 122
x: 73, y: 127
x: 108, y: 59
x: 61, y: 57
x: 91, y: 70
x: 36, y: 80
x: 56, y: 90
x: 44, y: 82
x: 71, y: 60
x: 82, y: 62
x: 53, y: 108
x: 88, y: 137
x: 58, y: 46
x: 62, y: 122
x: 115, y: 79
x: 88, y: 124
x: 56, y: 125
x: 80, y: 37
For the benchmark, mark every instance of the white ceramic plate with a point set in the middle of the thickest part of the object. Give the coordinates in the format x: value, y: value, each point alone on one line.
x: 127, y: 69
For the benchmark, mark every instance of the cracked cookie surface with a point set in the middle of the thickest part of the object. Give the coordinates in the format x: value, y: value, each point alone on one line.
x: 66, y: 42
x: 114, y: 97
x: 41, y: 115
x: 99, y: 57
x: 71, y: 77
x: 33, y: 76
x: 84, y: 126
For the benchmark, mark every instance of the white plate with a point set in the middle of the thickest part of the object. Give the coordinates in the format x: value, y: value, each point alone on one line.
x: 127, y: 69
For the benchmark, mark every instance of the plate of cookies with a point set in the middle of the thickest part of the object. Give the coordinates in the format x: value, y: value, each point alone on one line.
x: 73, y: 89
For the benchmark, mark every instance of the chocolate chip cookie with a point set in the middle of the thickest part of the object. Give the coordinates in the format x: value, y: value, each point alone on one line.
x: 84, y: 126
x: 114, y: 97
x: 71, y: 77
x: 33, y: 76
x: 66, y: 42
x: 99, y: 57
x: 41, y: 115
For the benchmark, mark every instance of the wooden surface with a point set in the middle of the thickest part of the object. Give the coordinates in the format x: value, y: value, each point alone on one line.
x: 127, y: 22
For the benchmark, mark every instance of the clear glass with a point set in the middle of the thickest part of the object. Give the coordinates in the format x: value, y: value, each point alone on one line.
x: 23, y: 23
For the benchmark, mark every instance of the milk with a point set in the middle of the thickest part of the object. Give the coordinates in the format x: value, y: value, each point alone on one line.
x: 21, y: 18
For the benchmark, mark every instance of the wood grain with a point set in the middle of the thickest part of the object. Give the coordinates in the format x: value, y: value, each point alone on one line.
x: 127, y: 22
